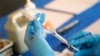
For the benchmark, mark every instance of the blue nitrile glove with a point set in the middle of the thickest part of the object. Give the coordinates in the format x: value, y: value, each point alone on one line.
x: 34, y: 38
x: 88, y: 43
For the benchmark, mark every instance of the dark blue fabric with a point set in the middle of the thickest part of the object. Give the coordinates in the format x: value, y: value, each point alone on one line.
x: 41, y: 3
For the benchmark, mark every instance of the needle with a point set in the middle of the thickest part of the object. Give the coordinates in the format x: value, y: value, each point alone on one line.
x: 54, y: 33
x: 48, y: 26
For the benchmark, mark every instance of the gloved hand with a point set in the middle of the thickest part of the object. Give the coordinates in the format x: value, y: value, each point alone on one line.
x: 88, y: 43
x: 34, y: 38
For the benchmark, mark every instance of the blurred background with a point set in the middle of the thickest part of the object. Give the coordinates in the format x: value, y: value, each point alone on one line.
x: 61, y: 13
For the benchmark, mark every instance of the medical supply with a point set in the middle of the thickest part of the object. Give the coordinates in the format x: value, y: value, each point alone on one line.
x: 48, y: 26
x: 6, y: 47
x: 67, y: 27
x: 18, y: 23
x: 62, y: 39
x: 29, y: 16
x: 16, y: 28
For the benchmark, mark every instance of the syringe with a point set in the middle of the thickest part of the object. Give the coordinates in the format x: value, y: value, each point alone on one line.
x: 54, y: 33
x: 50, y: 28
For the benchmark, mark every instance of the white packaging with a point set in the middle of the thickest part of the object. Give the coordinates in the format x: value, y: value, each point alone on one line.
x: 16, y: 28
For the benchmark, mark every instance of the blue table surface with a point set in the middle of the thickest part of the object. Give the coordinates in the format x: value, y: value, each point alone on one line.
x: 85, y: 19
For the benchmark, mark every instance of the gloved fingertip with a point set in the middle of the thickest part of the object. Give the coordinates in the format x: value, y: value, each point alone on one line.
x: 96, y: 35
x: 87, y: 33
x: 78, y: 35
x: 42, y: 18
x: 38, y: 14
x: 42, y: 13
x: 96, y: 38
